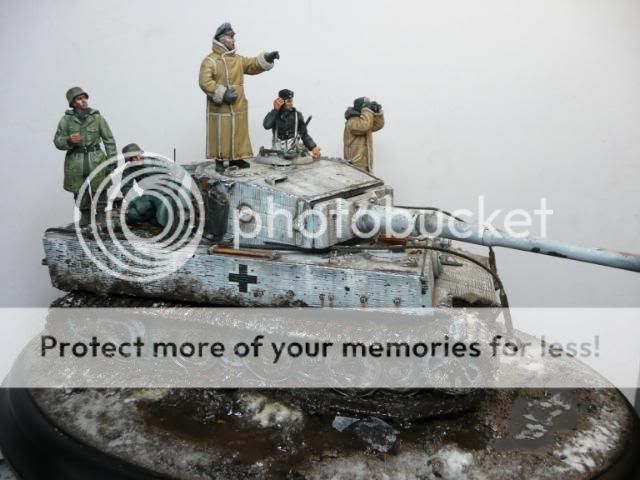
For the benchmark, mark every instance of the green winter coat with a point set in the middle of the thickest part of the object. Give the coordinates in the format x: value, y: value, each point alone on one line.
x: 78, y: 163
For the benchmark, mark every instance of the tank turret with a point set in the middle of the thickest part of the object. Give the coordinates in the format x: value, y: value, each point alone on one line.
x: 325, y: 203
x: 308, y: 206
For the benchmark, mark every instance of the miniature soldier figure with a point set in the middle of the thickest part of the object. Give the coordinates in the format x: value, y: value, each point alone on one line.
x: 79, y: 133
x: 364, y: 118
x: 222, y: 79
x: 288, y: 126
x: 144, y: 208
x: 159, y: 202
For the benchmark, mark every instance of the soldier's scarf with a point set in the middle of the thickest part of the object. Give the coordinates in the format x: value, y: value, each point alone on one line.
x: 82, y: 115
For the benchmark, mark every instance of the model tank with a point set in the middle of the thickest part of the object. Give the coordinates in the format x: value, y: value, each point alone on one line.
x: 342, y: 249
x: 280, y: 232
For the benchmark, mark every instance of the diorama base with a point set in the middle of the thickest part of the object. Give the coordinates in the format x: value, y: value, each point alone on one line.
x: 241, y: 434
x: 197, y: 434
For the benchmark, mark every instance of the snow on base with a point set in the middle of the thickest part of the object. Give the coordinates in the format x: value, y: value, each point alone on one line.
x: 580, y: 453
x: 268, y: 413
x: 448, y: 463
x: 531, y: 431
x: 5, y: 471
x: 541, y: 415
x: 147, y: 394
x: 455, y: 462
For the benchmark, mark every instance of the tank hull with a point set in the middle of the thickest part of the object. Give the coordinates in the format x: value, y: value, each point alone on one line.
x: 366, y: 278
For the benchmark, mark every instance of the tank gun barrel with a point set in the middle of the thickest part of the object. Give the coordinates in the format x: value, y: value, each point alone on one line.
x: 392, y: 221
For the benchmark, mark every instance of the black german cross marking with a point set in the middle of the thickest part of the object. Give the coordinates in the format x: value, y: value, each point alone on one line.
x: 242, y: 278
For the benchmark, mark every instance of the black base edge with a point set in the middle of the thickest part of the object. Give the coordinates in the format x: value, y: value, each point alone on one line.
x: 37, y: 450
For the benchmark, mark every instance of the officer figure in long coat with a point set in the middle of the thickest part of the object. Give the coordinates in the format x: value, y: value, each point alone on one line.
x: 362, y: 119
x: 288, y: 126
x: 222, y: 80
x: 79, y: 133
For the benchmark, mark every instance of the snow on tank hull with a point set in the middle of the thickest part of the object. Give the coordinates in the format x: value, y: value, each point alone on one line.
x: 320, y: 269
x: 374, y: 278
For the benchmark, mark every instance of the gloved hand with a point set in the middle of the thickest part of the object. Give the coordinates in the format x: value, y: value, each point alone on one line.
x: 376, y: 107
x: 230, y: 95
x: 271, y: 56
x: 277, y: 104
x: 368, y: 105
x: 315, y: 153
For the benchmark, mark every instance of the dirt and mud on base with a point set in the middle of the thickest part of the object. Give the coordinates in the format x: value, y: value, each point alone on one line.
x: 201, y: 434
